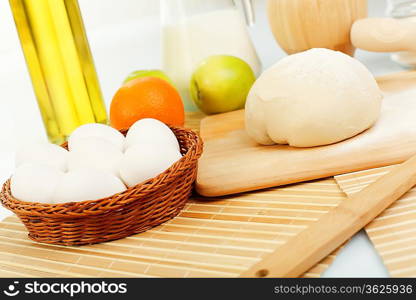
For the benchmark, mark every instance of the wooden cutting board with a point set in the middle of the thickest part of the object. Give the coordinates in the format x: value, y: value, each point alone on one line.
x: 393, y: 233
x: 233, y: 163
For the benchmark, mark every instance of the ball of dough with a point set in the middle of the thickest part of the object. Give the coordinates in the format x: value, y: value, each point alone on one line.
x: 313, y: 98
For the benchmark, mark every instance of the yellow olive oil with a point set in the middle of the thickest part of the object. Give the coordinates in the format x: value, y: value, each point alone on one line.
x: 60, y: 64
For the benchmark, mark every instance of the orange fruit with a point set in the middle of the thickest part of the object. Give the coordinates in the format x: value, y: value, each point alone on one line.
x: 146, y: 97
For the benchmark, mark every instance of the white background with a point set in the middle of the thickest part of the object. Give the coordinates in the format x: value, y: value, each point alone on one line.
x: 124, y: 36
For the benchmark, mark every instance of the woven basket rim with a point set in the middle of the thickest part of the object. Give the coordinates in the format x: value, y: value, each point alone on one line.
x: 84, y: 208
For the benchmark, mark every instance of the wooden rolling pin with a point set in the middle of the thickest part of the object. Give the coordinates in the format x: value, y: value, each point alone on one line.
x: 308, y: 248
x: 384, y: 35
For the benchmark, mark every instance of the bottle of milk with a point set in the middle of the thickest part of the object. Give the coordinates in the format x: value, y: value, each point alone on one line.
x: 193, y: 30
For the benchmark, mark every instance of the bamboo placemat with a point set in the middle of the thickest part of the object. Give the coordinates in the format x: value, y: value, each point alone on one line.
x: 210, y: 238
x: 393, y: 233
x: 220, y: 238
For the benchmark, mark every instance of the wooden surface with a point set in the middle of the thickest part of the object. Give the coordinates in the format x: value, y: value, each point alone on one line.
x: 220, y: 238
x: 393, y: 233
x: 233, y: 163
x: 337, y: 226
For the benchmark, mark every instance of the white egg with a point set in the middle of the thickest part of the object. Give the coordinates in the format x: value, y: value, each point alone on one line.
x: 42, y: 153
x: 87, y: 184
x: 150, y: 131
x: 35, y: 183
x: 96, y: 130
x: 143, y: 162
x: 95, y: 153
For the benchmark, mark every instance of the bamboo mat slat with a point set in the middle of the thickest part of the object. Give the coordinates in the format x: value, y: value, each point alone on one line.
x: 393, y: 233
x: 209, y: 238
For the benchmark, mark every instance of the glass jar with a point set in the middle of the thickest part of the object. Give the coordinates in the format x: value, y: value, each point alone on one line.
x: 60, y: 64
x: 193, y: 30
x: 403, y: 9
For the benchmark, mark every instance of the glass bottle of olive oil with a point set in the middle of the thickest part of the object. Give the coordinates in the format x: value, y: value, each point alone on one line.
x: 60, y: 64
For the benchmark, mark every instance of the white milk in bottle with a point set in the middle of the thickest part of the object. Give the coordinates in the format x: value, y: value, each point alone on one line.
x: 187, y: 43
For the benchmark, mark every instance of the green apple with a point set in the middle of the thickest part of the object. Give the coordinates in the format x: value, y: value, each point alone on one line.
x: 221, y: 83
x: 147, y: 73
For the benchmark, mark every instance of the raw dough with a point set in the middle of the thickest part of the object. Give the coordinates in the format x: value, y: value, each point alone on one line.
x: 313, y: 98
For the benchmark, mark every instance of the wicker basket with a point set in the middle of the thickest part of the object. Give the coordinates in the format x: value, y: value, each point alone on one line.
x: 135, y: 210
